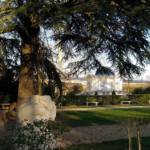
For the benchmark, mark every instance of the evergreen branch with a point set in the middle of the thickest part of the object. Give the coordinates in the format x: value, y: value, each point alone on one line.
x: 7, y: 30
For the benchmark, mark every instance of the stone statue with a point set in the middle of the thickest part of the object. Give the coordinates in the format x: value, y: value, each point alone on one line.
x: 37, y: 108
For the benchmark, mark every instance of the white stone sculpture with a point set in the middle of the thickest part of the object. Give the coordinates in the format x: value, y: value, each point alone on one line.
x: 36, y: 108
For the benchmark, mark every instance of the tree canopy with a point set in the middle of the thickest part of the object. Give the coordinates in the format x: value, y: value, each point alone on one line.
x: 117, y: 28
x: 93, y: 27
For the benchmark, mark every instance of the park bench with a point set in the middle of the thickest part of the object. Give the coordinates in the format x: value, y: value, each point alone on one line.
x: 5, y: 104
x: 92, y: 102
x: 124, y: 102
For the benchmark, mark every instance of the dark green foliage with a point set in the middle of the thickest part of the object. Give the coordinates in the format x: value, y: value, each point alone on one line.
x: 81, y: 100
x: 77, y: 88
x: 93, y: 27
x: 70, y: 94
x: 146, y: 90
x: 73, y: 100
x: 8, y: 98
x: 116, y: 28
x: 110, y: 99
x: 138, y: 91
x: 96, y: 93
x: 4, y: 99
x: 91, y: 99
x: 48, y: 89
x: 19, y: 20
x: 141, y: 91
x: 8, y: 85
x: 33, y: 135
x: 139, y: 98
x: 113, y: 93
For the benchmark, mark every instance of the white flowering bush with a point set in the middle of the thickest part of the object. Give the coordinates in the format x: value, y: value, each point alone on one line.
x: 39, y: 135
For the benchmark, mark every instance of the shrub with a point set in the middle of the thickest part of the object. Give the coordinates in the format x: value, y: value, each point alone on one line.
x: 113, y: 93
x: 74, y: 88
x: 124, y: 98
x: 73, y: 100
x: 91, y: 99
x: 8, y: 98
x: 139, y: 98
x: 39, y: 134
x: 138, y: 91
x: 81, y: 100
x: 146, y: 90
x: 110, y: 99
x: 96, y: 93
x: 141, y: 90
x: 4, y: 99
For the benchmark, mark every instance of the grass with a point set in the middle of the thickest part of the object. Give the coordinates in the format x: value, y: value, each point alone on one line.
x: 103, y: 117
x: 112, y: 145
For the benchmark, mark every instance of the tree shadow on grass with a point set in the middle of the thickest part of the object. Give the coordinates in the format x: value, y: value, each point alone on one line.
x: 104, y: 117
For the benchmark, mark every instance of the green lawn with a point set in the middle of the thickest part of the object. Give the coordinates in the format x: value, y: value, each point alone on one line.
x: 112, y: 145
x: 102, y: 117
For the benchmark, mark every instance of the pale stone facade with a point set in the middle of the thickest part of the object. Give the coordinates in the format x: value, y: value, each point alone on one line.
x: 104, y: 83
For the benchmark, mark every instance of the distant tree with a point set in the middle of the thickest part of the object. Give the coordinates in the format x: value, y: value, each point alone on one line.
x: 113, y: 93
x: 74, y: 88
x: 146, y: 90
x: 137, y: 91
x: 96, y: 93
x: 78, y: 88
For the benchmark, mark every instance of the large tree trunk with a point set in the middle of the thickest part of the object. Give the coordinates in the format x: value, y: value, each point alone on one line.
x: 25, y: 88
x: 30, y: 47
x: 39, y: 73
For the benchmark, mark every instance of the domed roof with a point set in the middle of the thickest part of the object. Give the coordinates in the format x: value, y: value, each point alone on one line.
x: 104, y: 71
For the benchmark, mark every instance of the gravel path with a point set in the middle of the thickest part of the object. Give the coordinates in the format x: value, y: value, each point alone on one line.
x: 90, y: 134
x: 101, y: 108
x: 93, y: 134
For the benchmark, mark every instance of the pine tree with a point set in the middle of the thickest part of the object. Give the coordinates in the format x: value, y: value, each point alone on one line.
x: 18, y: 19
x: 117, y: 28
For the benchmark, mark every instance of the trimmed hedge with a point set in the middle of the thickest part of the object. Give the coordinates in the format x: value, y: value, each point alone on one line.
x: 81, y: 100
x: 8, y: 98
x: 139, y: 98
x: 73, y: 100
x: 110, y: 99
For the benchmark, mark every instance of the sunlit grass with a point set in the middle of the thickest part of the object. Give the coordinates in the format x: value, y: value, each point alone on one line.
x: 103, y: 117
